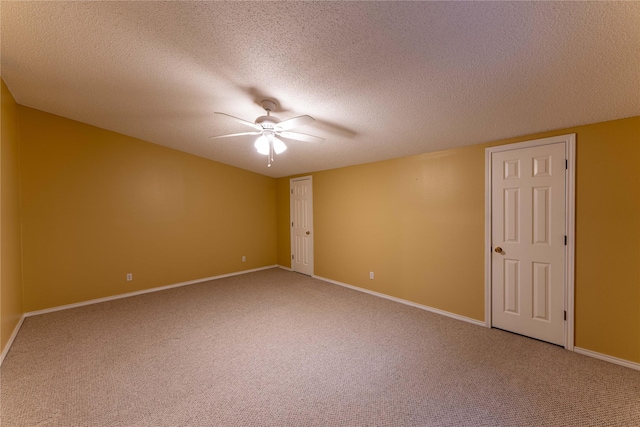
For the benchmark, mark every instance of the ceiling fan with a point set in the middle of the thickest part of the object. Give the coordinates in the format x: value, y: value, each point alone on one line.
x: 270, y: 128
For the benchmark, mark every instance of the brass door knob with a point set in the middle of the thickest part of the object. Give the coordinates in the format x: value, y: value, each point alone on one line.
x: 308, y: 232
x: 498, y: 249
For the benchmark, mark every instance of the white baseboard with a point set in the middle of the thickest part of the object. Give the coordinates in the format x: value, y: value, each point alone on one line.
x: 607, y: 358
x: 13, y: 337
x: 144, y: 291
x: 404, y: 301
x: 284, y: 268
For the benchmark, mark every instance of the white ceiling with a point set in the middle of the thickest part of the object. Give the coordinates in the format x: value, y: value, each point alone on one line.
x: 382, y: 79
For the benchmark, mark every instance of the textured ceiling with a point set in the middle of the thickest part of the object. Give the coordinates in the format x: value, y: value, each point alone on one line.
x: 382, y: 79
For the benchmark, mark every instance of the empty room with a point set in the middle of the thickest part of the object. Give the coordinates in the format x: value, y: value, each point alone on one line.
x: 320, y: 213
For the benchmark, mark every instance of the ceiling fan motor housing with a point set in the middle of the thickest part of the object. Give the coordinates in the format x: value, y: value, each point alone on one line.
x: 267, y: 122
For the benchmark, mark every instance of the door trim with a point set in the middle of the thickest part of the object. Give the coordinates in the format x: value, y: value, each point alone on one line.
x: 569, y: 252
x: 291, y: 236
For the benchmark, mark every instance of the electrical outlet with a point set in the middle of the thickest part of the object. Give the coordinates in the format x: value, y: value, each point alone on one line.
x: 129, y: 277
x: 244, y: 258
x: 371, y: 275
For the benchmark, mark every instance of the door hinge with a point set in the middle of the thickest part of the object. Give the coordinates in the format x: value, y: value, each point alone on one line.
x: 292, y: 256
x: 292, y: 191
x: 292, y: 224
x: 566, y: 163
x: 565, y: 240
x: 565, y: 315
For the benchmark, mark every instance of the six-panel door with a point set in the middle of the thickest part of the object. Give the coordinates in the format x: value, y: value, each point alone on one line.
x: 302, y: 226
x: 528, y: 226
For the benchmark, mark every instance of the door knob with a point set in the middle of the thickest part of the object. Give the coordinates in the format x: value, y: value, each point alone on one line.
x: 308, y: 232
x: 498, y: 249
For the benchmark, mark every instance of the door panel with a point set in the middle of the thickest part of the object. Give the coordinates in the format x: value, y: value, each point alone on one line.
x: 541, y: 215
x: 541, y: 292
x: 528, y: 224
x: 511, y: 215
x: 511, y: 286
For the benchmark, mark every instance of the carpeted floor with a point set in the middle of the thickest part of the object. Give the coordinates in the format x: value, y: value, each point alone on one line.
x: 276, y: 348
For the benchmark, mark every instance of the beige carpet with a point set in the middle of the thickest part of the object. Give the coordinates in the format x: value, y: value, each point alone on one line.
x: 275, y: 348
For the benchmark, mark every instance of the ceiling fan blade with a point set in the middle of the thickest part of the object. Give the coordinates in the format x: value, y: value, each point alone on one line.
x: 244, y: 122
x: 300, y: 136
x: 294, y: 122
x: 235, y: 134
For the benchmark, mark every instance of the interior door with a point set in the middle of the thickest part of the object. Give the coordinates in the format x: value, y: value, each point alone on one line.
x: 528, y: 238
x: 302, y: 225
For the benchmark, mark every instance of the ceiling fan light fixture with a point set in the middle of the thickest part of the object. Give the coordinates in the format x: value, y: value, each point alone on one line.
x: 268, y: 127
x: 262, y: 145
x: 278, y: 145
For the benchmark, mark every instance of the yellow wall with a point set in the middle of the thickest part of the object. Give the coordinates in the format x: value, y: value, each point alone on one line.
x: 98, y: 205
x: 608, y: 239
x: 418, y: 223
x: 10, y: 259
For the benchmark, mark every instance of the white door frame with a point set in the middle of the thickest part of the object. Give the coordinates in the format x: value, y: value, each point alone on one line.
x: 569, y: 281
x: 291, y: 236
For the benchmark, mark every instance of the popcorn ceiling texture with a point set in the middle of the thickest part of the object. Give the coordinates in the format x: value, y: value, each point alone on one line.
x: 382, y: 79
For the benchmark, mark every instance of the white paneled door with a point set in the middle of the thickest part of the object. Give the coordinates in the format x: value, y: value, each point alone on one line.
x: 528, y: 214
x: 302, y: 225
